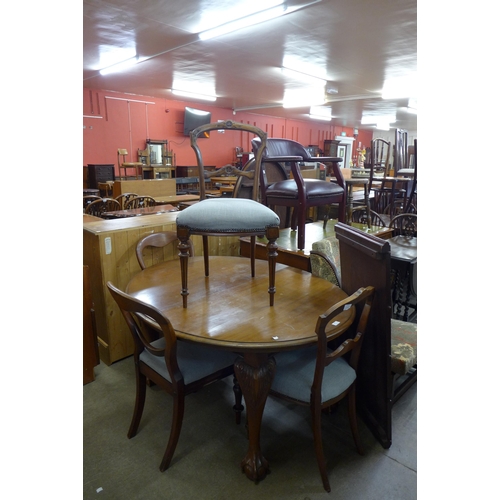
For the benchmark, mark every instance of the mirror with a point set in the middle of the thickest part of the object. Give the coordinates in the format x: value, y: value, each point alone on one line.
x: 158, y: 153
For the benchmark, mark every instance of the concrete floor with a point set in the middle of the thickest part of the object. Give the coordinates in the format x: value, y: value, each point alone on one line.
x: 211, y: 446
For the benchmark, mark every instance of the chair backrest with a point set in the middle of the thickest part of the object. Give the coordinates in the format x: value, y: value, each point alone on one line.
x: 229, y: 125
x: 379, y: 164
x: 157, y: 240
x: 140, y: 202
x: 404, y: 224
x: 98, y: 207
x: 123, y: 198
x: 360, y: 216
x: 122, y: 156
x: 362, y: 301
x: 135, y: 313
x: 87, y: 200
x: 400, y: 150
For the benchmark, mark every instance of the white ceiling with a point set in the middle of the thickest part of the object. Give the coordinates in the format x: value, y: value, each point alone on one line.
x: 358, y: 44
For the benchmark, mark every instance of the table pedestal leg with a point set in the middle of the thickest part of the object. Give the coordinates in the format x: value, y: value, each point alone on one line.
x: 255, y: 374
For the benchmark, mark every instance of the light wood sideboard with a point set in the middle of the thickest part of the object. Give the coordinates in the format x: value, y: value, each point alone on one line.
x: 109, y: 251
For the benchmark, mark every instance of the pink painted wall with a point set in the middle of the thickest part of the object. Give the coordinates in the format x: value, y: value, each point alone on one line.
x: 126, y: 121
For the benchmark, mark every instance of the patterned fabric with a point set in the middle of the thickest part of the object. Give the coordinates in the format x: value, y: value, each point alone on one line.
x: 403, y: 346
x: 330, y: 247
x: 403, y: 334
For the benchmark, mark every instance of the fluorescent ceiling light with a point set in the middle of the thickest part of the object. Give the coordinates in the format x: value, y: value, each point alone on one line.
x: 397, y: 88
x: 320, y: 113
x: 372, y: 119
x: 244, y: 22
x: 320, y: 117
x: 120, y: 66
x: 383, y: 126
x: 193, y: 95
x: 297, y: 98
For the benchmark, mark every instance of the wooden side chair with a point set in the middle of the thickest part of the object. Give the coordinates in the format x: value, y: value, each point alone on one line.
x: 98, y: 207
x: 140, y: 202
x: 88, y: 199
x: 319, y: 377
x: 179, y: 368
x: 123, y: 164
x: 325, y: 263
x: 123, y: 198
x: 228, y: 216
x: 159, y: 241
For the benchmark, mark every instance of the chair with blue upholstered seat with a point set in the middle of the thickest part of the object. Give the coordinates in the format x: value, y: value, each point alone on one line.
x: 320, y: 377
x: 228, y: 216
x: 180, y: 368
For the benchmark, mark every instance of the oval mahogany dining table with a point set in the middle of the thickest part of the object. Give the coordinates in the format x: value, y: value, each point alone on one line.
x: 230, y: 310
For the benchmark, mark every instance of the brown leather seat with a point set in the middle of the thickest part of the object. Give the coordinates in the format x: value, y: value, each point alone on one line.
x: 299, y: 193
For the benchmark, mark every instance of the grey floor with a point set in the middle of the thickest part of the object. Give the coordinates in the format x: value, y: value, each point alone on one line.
x: 211, y: 446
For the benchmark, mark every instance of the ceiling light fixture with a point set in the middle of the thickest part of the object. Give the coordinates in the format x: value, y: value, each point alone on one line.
x: 244, y: 22
x: 193, y: 95
x: 320, y: 117
x: 120, y: 66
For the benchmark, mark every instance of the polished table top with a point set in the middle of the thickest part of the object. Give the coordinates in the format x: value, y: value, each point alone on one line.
x: 404, y: 248
x: 231, y: 310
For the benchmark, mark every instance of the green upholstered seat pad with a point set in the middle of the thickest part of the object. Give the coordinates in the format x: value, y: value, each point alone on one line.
x: 330, y: 247
x: 195, y: 361
x: 403, y: 346
x: 295, y: 374
x: 226, y: 215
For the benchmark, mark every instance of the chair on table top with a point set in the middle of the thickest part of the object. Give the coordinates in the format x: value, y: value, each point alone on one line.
x: 180, y: 368
x: 325, y: 263
x: 227, y: 216
x: 299, y: 193
x: 88, y: 199
x: 123, y: 198
x: 157, y: 240
x: 320, y: 377
x: 140, y: 202
x: 123, y: 164
x: 98, y: 207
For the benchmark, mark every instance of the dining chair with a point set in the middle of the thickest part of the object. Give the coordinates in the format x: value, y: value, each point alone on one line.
x: 178, y: 367
x: 360, y: 215
x: 140, y: 202
x: 299, y: 193
x: 325, y: 263
x: 123, y: 164
x: 98, y: 207
x: 88, y: 199
x: 156, y: 240
x: 123, y: 198
x: 227, y: 216
x: 320, y: 377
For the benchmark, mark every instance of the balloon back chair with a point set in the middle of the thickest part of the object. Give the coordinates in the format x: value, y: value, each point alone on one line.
x: 227, y: 216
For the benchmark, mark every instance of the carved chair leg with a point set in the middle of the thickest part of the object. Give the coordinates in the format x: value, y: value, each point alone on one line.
x: 272, y: 235
x: 318, y: 443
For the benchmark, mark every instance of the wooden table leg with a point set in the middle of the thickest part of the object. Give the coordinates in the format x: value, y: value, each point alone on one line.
x: 255, y: 373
